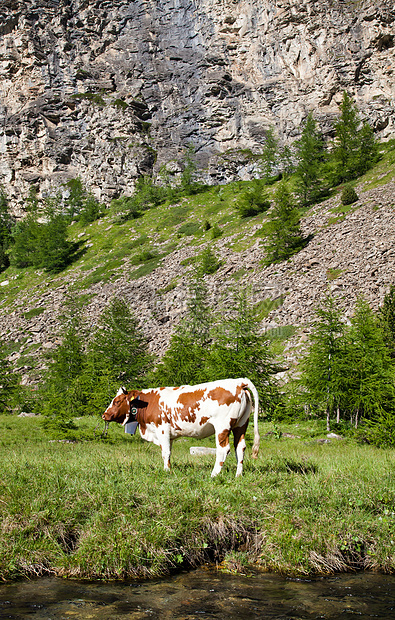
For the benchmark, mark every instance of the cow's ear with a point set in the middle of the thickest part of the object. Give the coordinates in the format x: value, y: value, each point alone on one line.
x: 124, y: 390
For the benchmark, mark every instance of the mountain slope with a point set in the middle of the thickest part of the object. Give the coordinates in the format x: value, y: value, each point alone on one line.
x: 148, y: 261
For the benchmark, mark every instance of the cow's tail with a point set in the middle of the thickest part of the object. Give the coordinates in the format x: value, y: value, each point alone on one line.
x: 255, y: 448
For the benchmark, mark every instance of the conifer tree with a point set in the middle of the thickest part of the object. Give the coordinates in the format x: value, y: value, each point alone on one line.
x: 355, y: 148
x: 322, y: 367
x: 310, y: 154
x: 60, y: 397
x: 117, y: 354
x: 284, y: 237
x: 253, y: 200
x: 239, y: 349
x: 185, y: 361
x: 387, y: 320
x: 5, y: 231
x: 269, y: 155
x: 43, y: 245
x: 367, y: 368
x: 9, y: 381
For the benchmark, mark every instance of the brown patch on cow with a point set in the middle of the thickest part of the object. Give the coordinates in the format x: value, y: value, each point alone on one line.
x: 223, y: 438
x: 190, y: 401
x: 204, y: 420
x: 149, y: 410
x: 222, y: 396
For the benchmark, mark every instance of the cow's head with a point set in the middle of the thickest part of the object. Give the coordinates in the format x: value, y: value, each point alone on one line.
x: 119, y: 409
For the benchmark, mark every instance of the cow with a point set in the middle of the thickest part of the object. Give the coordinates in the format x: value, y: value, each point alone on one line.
x: 167, y: 413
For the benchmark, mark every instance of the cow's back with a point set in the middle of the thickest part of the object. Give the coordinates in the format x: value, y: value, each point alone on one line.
x: 193, y: 411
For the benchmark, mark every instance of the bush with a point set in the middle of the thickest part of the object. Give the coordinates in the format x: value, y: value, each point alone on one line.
x: 216, y: 232
x: 349, y: 195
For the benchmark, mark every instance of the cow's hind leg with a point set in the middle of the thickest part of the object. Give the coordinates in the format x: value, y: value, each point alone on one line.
x: 223, y: 449
x: 240, y: 446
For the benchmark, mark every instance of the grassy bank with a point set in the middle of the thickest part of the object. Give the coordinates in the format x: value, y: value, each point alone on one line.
x: 105, y: 509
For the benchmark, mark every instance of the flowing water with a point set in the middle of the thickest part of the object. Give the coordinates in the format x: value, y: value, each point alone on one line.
x: 203, y: 594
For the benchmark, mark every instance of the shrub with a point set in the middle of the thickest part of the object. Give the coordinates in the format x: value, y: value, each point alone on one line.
x: 349, y: 195
x: 216, y: 232
x: 189, y: 229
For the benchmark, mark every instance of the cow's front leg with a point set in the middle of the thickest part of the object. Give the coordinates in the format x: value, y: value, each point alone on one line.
x: 166, y: 452
x: 223, y: 449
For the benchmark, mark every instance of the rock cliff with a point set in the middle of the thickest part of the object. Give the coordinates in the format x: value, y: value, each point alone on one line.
x: 108, y: 90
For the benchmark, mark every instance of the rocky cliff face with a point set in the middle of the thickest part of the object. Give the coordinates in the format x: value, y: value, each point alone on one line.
x: 108, y: 90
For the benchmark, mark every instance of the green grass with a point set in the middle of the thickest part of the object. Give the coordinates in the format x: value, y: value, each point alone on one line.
x: 106, y: 509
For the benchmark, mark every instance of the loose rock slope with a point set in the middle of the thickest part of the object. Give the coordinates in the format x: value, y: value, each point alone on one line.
x: 351, y: 253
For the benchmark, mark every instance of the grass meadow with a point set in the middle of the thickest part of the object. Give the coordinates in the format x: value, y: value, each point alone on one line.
x: 104, y: 508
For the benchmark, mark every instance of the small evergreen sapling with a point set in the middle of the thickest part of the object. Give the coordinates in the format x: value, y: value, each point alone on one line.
x: 387, y: 320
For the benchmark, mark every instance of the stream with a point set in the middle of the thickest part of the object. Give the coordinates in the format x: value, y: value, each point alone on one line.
x: 200, y: 594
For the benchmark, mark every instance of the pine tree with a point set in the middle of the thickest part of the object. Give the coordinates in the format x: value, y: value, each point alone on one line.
x: 117, y: 354
x: 310, y: 154
x: 284, y: 237
x: 387, y: 320
x: 80, y: 204
x: 240, y: 350
x: 185, y: 361
x: 269, y: 157
x: 43, y: 245
x: 54, y: 250
x: 60, y: 396
x: 253, y: 200
x: 5, y: 231
x: 322, y: 367
x: 355, y: 148
x: 367, y: 367
x: 368, y: 149
x: 9, y: 381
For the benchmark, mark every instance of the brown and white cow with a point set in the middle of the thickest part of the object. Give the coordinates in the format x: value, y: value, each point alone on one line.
x: 198, y: 411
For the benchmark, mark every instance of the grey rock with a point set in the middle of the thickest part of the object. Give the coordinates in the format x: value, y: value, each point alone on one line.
x: 110, y: 91
x: 202, y: 450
